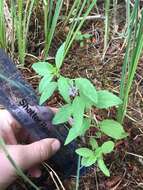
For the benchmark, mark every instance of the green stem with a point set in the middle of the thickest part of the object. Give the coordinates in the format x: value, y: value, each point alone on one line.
x: 136, y: 53
x: 106, y: 35
x: 78, y: 173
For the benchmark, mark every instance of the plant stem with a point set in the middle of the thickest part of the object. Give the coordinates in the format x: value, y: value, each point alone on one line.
x: 135, y: 55
x: 78, y: 173
x: 106, y: 35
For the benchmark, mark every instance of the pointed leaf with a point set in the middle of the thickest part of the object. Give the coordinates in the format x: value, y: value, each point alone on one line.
x: 103, y: 167
x: 88, y: 103
x: 44, y: 82
x: 73, y: 134
x: 43, y: 68
x: 63, y: 114
x: 107, y: 147
x: 85, y: 126
x: 107, y: 99
x: 112, y: 129
x: 78, y: 111
x: 85, y: 152
x: 87, y: 88
x: 48, y: 91
x: 60, y: 55
x: 88, y: 161
x: 63, y: 86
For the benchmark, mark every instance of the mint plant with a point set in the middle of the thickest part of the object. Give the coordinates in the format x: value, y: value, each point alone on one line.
x: 80, y: 97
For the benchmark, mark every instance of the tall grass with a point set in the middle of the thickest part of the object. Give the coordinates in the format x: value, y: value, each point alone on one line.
x: 76, y: 25
x: 131, y: 59
x: 107, y: 24
x: 50, y: 21
x: 2, y: 26
x: 21, y: 19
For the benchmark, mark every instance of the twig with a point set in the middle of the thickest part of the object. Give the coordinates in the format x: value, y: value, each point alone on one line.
x: 136, y: 155
x: 51, y: 174
x: 57, y: 177
x: 87, y: 18
x: 114, y: 188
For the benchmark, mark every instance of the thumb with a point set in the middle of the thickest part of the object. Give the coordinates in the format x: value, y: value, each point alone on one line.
x: 35, y: 153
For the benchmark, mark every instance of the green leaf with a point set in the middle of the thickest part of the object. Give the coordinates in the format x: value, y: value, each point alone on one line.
x: 87, y: 88
x: 79, y: 36
x: 48, y: 91
x: 63, y: 114
x: 63, y: 86
x: 107, y: 147
x: 88, y: 161
x: 76, y: 131
x: 43, y: 68
x: 112, y: 129
x: 60, y: 55
x: 85, y: 126
x: 73, y: 134
x: 44, y: 82
x: 78, y: 111
x: 88, y: 103
x: 93, y: 143
x: 103, y: 167
x: 85, y: 152
x: 107, y: 99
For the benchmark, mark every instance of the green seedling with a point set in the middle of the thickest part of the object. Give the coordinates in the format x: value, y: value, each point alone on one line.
x: 80, y: 98
x: 91, y: 156
x: 82, y: 37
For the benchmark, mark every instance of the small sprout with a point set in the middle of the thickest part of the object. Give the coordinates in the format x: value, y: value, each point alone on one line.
x: 82, y: 38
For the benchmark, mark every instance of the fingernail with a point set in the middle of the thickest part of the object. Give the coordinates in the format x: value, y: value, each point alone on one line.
x: 35, y: 173
x: 55, y: 145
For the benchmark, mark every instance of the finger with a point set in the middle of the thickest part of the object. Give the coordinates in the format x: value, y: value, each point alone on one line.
x: 7, y: 120
x: 9, y: 137
x: 35, y: 153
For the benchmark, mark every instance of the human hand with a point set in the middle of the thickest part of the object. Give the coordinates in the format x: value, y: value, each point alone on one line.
x: 25, y: 156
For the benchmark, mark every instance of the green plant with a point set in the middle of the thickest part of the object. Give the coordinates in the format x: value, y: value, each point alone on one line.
x: 82, y: 10
x: 81, y: 37
x: 133, y: 52
x: 2, y: 26
x: 21, y: 19
x: 50, y: 21
x: 80, y: 98
x: 90, y: 156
